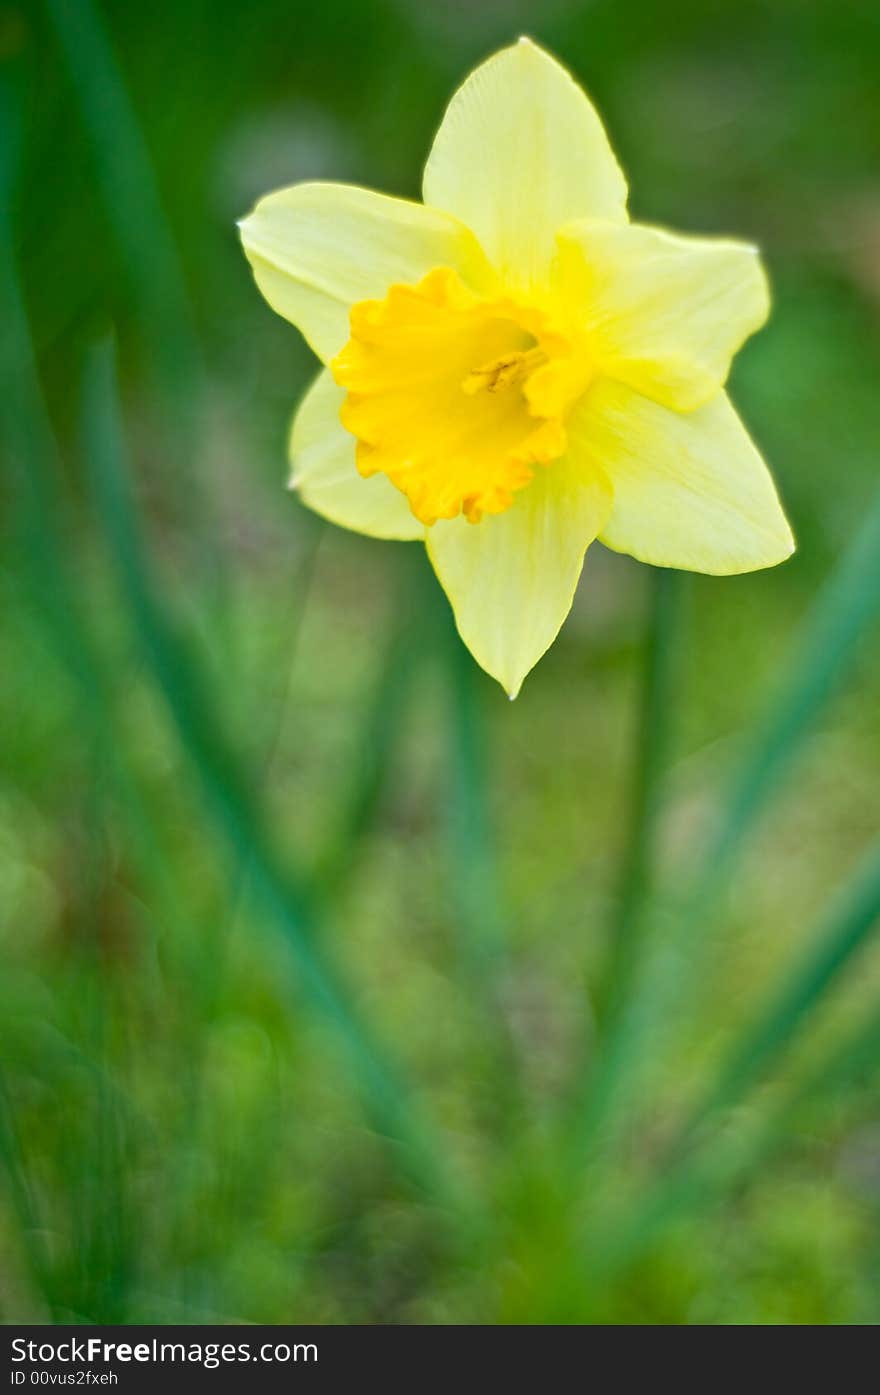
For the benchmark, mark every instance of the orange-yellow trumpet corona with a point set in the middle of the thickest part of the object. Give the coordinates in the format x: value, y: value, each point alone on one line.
x: 514, y: 369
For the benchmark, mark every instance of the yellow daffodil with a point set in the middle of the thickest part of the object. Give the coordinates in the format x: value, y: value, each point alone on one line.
x: 515, y: 369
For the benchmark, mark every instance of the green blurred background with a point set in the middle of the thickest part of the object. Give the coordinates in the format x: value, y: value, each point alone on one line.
x: 270, y: 845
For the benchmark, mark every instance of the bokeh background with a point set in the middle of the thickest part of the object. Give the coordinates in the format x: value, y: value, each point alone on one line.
x: 304, y: 926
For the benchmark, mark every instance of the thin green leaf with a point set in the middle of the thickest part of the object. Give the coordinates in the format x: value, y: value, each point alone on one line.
x: 715, y: 1170
x: 842, y: 615
x: 43, y: 544
x: 283, y: 894
x: 127, y: 183
x: 131, y: 196
x: 846, y: 932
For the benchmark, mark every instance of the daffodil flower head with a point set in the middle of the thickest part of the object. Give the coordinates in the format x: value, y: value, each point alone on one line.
x: 514, y: 369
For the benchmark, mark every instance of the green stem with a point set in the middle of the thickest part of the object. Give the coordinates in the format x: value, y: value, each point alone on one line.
x: 603, y: 1074
x: 483, y: 947
x: 474, y: 871
x: 628, y: 922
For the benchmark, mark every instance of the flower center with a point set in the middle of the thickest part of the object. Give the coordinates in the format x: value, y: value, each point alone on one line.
x: 457, y: 397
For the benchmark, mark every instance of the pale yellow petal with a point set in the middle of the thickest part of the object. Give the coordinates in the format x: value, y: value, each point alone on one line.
x: 325, y: 474
x: 511, y: 578
x: 316, y: 249
x: 520, y: 151
x: 690, y: 489
x: 666, y: 314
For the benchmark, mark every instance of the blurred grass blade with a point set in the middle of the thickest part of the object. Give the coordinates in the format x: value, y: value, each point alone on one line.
x: 283, y: 895
x: 696, y: 1168
x: 849, y: 925
x: 844, y: 612
x: 44, y: 549
x: 841, y: 616
x: 130, y: 194
x: 27, y: 432
x: 162, y: 312
x: 714, y: 1170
